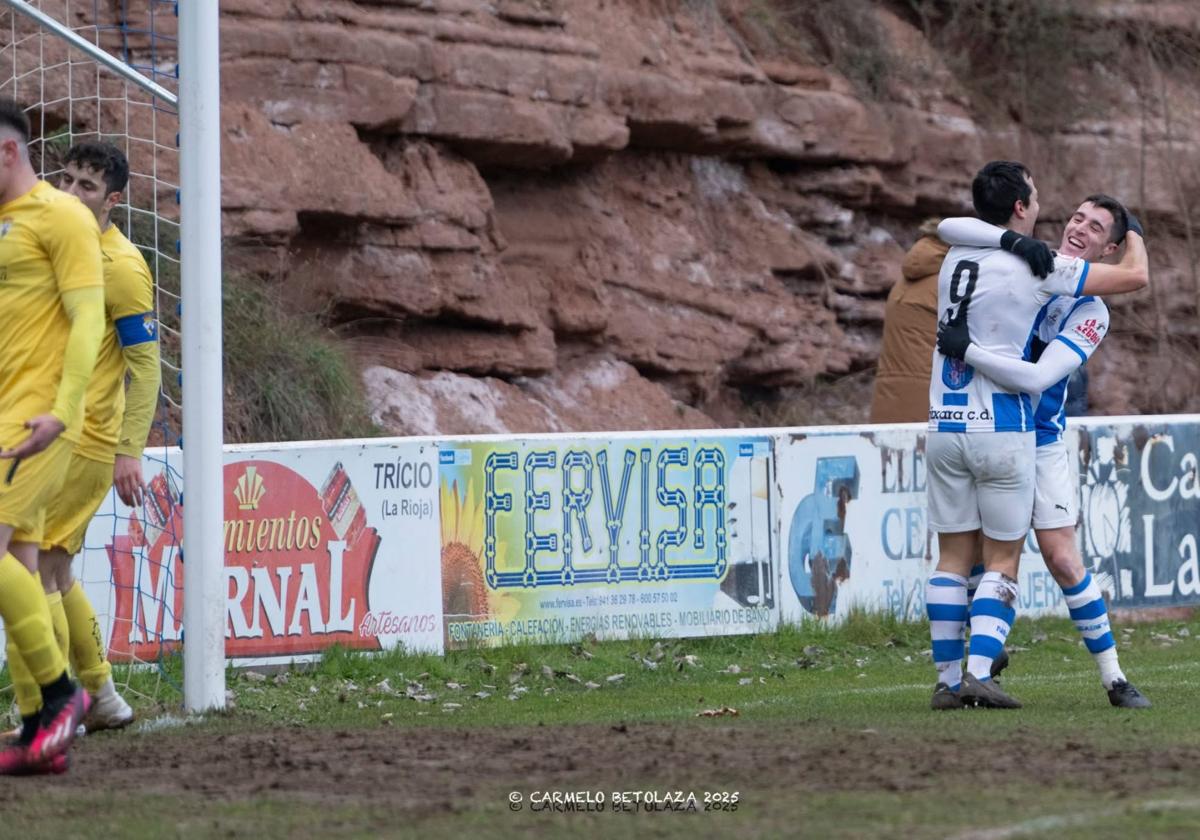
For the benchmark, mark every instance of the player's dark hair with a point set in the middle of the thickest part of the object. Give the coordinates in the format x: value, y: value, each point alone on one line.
x: 13, y: 116
x: 997, y: 187
x: 1119, y: 213
x: 104, y: 158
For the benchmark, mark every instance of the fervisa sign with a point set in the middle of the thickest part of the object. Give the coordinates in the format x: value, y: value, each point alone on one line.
x: 310, y: 562
x: 854, y: 530
x: 551, y: 539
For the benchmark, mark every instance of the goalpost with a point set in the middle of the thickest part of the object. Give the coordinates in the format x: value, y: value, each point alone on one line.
x: 203, y: 421
x: 144, y: 74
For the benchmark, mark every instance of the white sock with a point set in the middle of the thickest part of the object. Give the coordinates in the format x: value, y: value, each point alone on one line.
x: 1110, y: 668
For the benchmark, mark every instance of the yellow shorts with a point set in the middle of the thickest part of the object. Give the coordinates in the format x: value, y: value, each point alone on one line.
x: 72, y: 508
x: 28, y: 486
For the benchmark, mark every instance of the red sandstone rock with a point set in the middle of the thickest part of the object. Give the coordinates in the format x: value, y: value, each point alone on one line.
x: 316, y: 91
x: 602, y: 395
x: 595, y: 207
x: 424, y: 345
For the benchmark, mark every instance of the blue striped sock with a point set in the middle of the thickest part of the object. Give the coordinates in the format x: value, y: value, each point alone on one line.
x: 1085, y: 602
x: 946, y: 605
x: 992, y: 615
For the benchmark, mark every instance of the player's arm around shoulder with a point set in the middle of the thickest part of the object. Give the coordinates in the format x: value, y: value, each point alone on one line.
x: 970, y: 232
x: 977, y: 233
x: 1131, y: 274
x: 1055, y: 363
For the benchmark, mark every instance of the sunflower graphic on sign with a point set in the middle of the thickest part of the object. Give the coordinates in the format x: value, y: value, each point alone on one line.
x: 465, y: 593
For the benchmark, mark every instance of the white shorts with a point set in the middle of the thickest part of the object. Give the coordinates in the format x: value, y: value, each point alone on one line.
x: 981, y: 480
x: 1056, y: 500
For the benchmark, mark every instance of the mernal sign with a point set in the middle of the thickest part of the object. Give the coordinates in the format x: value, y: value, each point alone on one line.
x: 297, y: 561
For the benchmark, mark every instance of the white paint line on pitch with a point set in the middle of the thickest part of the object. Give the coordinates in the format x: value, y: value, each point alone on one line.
x: 1056, y: 822
x: 164, y: 722
x: 1034, y: 679
x: 1028, y: 679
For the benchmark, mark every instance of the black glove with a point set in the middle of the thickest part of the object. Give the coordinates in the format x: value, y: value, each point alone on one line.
x: 1036, y: 253
x: 1036, y: 348
x: 1135, y: 225
x: 953, y: 338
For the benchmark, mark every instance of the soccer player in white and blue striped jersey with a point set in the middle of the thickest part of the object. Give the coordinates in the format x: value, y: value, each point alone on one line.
x: 1066, y: 333
x: 981, y: 448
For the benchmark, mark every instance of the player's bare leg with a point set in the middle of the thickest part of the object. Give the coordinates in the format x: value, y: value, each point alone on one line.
x: 1089, y: 613
x: 956, y: 552
x: 1003, y: 556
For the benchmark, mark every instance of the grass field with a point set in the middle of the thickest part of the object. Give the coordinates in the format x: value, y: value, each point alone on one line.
x: 832, y: 737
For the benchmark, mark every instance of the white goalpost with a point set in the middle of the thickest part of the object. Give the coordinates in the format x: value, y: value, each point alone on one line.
x: 203, y: 418
x: 85, y: 68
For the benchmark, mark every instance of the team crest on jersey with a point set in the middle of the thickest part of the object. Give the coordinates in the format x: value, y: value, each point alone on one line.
x: 957, y: 374
x: 5, y: 226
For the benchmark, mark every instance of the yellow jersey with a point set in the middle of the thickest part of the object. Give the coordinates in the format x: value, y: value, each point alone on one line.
x: 128, y: 320
x: 49, y: 244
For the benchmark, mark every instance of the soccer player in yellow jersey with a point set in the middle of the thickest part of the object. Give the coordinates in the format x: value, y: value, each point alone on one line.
x: 51, y: 323
x: 116, y: 424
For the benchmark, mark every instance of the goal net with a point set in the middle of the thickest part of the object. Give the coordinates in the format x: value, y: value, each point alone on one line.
x: 130, y: 562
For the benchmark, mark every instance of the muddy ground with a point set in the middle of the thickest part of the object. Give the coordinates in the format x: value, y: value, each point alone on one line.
x: 419, y: 770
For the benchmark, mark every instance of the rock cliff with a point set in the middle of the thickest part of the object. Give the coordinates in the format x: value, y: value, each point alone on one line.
x: 533, y: 215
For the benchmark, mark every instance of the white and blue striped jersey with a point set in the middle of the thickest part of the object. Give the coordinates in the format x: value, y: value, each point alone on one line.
x: 1003, y: 300
x: 1081, y: 325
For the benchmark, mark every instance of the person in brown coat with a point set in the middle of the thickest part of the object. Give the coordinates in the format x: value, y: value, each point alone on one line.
x: 909, y: 333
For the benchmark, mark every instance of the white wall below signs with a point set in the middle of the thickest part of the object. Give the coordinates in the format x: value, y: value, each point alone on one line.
x: 853, y: 530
